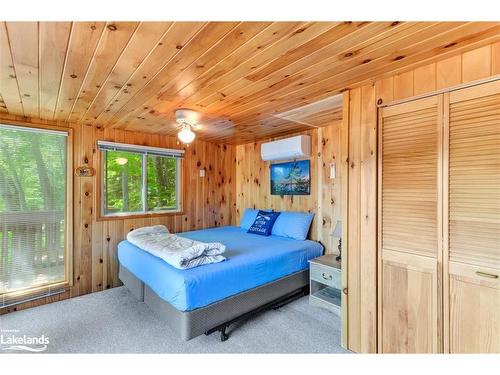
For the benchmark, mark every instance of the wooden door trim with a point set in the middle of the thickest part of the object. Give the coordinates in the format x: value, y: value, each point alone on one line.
x: 379, y: 231
x: 344, y: 165
x: 446, y: 221
x: 461, y: 86
x: 440, y: 224
x: 475, y: 92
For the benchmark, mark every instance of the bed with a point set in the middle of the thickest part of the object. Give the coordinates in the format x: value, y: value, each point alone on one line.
x: 259, y: 272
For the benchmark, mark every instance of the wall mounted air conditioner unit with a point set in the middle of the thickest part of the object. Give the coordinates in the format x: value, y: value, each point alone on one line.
x: 288, y: 148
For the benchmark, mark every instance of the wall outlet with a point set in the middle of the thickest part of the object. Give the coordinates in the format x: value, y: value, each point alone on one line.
x: 202, y: 173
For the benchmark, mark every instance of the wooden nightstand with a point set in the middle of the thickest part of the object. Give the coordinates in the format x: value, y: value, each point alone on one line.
x: 325, y: 283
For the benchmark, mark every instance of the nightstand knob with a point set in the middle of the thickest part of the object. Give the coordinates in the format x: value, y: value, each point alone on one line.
x: 344, y: 291
x: 326, y: 277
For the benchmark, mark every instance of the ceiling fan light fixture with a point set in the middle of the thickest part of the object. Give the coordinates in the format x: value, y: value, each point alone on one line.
x: 186, y: 135
x: 186, y: 118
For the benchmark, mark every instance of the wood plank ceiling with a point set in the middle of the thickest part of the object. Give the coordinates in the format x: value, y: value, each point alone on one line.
x: 239, y: 75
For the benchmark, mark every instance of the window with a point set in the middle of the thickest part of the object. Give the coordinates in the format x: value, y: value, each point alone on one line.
x: 33, y: 209
x: 139, y: 180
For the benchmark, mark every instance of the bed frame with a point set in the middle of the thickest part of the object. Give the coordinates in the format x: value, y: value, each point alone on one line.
x: 221, y: 314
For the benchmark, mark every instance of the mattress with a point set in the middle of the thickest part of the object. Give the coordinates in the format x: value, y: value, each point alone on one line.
x: 252, y: 260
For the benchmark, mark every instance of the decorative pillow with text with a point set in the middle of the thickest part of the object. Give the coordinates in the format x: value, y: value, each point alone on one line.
x: 263, y: 223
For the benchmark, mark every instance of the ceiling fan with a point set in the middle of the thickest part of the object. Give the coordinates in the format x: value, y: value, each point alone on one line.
x: 187, y: 120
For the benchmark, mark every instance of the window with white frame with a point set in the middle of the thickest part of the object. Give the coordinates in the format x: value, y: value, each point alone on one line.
x: 139, y: 179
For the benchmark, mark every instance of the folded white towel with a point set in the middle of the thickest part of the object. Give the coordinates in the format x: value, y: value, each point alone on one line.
x: 179, y: 252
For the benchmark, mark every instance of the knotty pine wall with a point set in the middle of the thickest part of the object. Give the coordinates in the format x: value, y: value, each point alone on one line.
x: 208, y: 202
x: 253, y: 184
x: 470, y: 66
x: 243, y: 179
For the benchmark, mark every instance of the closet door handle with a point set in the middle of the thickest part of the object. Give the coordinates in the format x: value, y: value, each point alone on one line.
x: 485, y: 274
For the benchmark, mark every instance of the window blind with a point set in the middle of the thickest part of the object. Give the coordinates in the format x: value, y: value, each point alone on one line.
x: 113, y: 146
x: 32, y: 207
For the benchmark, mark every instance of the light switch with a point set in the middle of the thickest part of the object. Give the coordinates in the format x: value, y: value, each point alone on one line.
x: 333, y: 171
x: 202, y: 173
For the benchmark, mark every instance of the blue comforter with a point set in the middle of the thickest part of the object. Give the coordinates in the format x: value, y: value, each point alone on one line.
x: 252, y: 260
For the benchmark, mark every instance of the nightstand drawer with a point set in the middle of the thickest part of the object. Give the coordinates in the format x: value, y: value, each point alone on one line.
x: 326, y: 275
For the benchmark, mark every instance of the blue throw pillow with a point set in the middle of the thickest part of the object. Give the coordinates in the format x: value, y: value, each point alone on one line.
x: 293, y: 225
x: 249, y: 217
x: 263, y: 223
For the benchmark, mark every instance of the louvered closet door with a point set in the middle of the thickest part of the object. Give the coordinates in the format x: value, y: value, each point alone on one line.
x: 474, y: 219
x: 410, y: 227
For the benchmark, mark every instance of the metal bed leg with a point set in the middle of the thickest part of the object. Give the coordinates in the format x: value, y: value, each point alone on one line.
x: 223, y: 335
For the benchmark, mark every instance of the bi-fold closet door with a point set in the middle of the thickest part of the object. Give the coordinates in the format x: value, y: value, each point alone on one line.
x: 410, y: 253
x: 439, y: 223
x: 472, y: 219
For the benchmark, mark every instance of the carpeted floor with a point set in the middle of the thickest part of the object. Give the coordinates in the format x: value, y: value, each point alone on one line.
x: 113, y: 321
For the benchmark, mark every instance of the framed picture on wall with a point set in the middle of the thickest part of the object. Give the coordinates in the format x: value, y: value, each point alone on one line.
x: 291, y: 178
